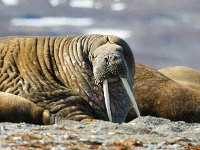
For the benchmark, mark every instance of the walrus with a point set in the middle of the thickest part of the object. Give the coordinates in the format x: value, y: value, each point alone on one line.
x: 185, y: 76
x: 70, y: 76
x: 158, y: 95
x: 17, y: 109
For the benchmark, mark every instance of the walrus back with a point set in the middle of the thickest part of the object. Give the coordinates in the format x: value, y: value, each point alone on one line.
x: 26, y: 65
x: 37, y: 67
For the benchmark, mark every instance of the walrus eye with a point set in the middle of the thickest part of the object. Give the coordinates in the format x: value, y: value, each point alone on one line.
x: 107, y: 99
x: 130, y: 94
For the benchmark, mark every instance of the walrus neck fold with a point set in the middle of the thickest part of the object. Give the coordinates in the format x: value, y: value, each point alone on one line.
x: 95, y: 43
x: 74, y: 52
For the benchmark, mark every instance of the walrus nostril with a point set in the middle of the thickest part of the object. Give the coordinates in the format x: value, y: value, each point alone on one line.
x: 106, y: 59
x: 113, y: 57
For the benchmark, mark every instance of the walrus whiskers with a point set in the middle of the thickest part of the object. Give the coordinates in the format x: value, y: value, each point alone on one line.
x: 130, y: 94
x: 107, y: 99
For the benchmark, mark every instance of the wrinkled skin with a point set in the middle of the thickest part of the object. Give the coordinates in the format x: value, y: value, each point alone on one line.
x: 159, y: 96
x: 64, y: 75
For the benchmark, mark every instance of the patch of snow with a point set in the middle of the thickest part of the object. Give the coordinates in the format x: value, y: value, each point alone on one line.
x: 52, y: 21
x: 55, y: 3
x: 82, y: 3
x: 10, y: 2
x: 118, y: 6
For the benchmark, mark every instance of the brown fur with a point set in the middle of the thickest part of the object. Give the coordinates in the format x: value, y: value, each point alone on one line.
x: 185, y: 76
x: 14, y: 108
x: 56, y: 73
x: 160, y: 96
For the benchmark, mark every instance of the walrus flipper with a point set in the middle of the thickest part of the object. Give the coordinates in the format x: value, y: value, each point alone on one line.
x: 16, y: 109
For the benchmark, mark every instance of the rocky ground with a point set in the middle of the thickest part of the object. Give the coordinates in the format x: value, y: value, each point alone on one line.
x: 142, y: 133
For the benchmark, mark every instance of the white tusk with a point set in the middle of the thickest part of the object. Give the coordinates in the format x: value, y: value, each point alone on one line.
x: 130, y: 94
x: 107, y: 99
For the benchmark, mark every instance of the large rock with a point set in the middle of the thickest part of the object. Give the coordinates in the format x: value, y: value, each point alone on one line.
x: 160, y: 96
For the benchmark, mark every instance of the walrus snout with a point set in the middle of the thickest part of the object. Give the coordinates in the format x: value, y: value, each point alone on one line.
x: 111, y: 58
x: 111, y: 67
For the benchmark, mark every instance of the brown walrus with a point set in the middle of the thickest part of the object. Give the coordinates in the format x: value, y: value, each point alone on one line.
x: 67, y: 75
x: 159, y: 96
x: 15, y: 108
x: 185, y: 76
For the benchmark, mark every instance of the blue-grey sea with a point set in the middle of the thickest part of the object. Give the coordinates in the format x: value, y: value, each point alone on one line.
x: 161, y: 33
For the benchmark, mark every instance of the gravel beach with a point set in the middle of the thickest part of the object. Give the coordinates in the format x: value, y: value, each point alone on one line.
x: 142, y: 133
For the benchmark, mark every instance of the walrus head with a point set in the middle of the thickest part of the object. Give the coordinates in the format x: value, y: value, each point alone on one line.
x: 109, y: 63
x: 113, y: 68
